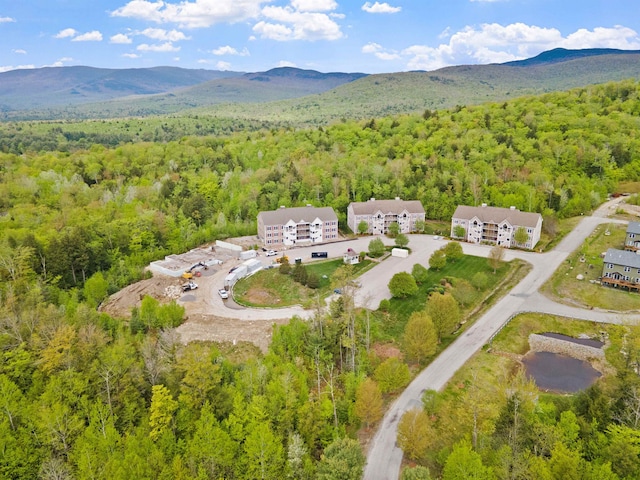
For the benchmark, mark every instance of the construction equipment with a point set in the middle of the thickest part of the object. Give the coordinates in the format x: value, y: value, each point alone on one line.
x: 188, y: 274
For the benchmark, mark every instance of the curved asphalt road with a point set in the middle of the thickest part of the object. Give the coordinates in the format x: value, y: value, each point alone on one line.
x: 384, y: 457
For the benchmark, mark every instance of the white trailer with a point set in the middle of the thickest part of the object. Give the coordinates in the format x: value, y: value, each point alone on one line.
x: 399, y: 252
x: 247, y: 254
x: 252, y: 265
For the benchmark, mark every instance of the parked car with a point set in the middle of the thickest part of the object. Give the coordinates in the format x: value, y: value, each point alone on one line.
x: 189, y: 286
x: 271, y: 253
x: 223, y: 293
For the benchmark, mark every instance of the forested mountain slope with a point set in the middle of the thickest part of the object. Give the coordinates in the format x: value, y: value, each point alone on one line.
x: 295, y: 96
x: 413, y: 92
x: 54, y: 86
x: 85, y: 395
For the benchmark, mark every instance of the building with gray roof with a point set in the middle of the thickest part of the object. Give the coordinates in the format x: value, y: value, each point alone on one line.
x: 297, y: 226
x: 379, y: 214
x: 495, y: 225
x: 621, y: 269
x: 632, y: 239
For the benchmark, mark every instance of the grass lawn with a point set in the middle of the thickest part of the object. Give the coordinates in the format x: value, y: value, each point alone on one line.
x: 269, y: 288
x: 587, y: 261
x: 400, y: 309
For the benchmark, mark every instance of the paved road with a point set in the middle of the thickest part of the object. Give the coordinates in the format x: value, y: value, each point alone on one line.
x: 384, y: 457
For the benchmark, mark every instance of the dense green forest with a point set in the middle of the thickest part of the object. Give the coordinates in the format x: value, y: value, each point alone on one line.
x: 89, y: 396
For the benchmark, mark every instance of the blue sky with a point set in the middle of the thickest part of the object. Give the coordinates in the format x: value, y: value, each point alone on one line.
x: 324, y: 35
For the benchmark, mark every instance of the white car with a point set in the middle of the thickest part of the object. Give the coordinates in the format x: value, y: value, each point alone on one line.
x: 271, y: 253
x: 223, y: 293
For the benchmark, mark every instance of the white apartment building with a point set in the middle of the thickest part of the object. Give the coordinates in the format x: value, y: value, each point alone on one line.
x: 297, y: 226
x: 496, y: 225
x: 379, y: 214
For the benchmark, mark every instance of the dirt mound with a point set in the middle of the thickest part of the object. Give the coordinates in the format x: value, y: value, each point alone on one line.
x: 218, y: 329
x: 163, y: 289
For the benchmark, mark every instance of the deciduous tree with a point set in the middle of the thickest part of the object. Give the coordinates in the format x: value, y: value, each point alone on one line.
x: 496, y: 254
x: 444, y: 312
x: 402, y: 285
x: 420, y: 338
x: 437, y: 260
x: 368, y: 402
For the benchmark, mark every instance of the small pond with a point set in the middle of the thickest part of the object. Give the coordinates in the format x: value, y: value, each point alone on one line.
x: 559, y: 373
x: 580, y: 341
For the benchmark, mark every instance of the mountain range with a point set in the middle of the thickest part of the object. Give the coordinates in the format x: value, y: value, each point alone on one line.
x: 292, y: 94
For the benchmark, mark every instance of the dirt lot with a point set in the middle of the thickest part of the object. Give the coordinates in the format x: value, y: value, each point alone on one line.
x: 207, y: 317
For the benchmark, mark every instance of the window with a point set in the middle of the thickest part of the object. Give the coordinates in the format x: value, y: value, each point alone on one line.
x: 627, y: 269
x: 610, y: 265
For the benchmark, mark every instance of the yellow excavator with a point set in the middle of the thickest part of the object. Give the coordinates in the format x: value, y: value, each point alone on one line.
x: 189, y: 274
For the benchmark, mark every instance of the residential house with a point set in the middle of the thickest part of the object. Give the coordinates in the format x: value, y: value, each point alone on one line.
x: 379, y: 214
x: 632, y: 240
x: 351, y: 257
x: 621, y: 269
x: 297, y: 226
x: 495, y: 225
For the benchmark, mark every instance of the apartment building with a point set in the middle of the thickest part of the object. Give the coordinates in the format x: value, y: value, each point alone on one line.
x: 297, y: 226
x: 496, y: 225
x: 379, y: 214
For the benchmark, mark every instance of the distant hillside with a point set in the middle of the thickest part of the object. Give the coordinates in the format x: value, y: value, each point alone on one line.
x: 302, y: 97
x: 558, y: 55
x: 160, y: 89
x: 414, y: 92
x: 51, y: 86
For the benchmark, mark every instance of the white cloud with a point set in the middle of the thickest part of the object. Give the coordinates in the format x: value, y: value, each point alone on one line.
x: 289, y: 24
x: 380, y: 8
x: 6, y: 20
x: 120, y: 38
x: 66, y: 33
x: 380, y: 52
x: 164, y: 35
x: 223, y: 65
x: 94, y: 36
x: 314, y: 5
x: 192, y: 14
x: 228, y: 50
x: 130, y: 55
x: 285, y: 63
x: 6, y: 68
x: 495, y: 43
x: 163, y: 47
x: 19, y: 51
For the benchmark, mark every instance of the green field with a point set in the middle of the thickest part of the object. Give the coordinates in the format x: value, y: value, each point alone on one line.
x: 270, y: 288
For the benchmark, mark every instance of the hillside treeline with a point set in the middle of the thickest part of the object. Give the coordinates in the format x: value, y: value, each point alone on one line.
x: 84, y: 395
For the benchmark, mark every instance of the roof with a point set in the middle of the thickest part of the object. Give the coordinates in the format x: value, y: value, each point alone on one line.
x: 497, y: 215
x: 298, y: 215
x: 634, y: 227
x: 386, y: 206
x: 622, y: 257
